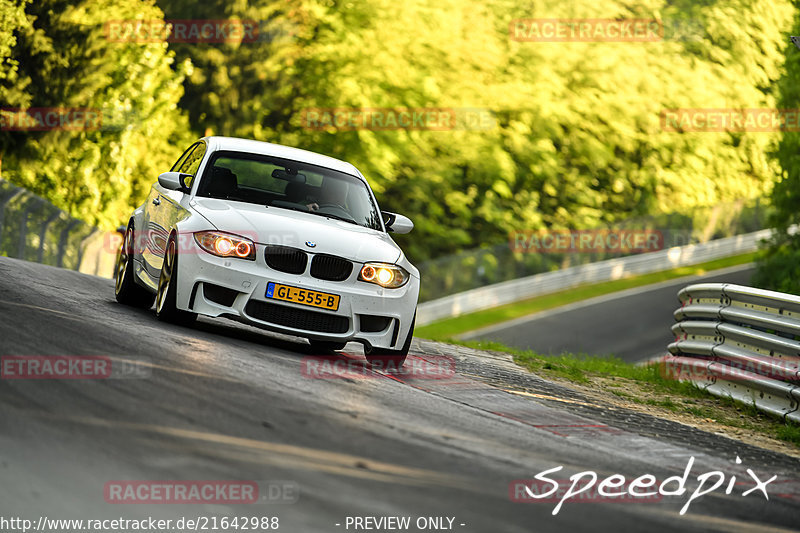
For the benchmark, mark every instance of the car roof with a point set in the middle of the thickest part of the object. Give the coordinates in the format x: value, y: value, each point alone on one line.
x: 236, y: 144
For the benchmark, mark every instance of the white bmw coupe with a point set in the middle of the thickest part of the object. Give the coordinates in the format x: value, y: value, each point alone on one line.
x: 276, y: 237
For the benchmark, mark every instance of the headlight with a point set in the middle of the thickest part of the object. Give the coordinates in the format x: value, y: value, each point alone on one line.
x: 384, y: 274
x: 226, y: 245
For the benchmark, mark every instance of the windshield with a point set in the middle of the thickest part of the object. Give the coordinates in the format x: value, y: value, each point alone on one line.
x: 288, y: 184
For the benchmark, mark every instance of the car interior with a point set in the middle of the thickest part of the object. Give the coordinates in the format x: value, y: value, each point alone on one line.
x: 272, y: 184
x: 276, y: 190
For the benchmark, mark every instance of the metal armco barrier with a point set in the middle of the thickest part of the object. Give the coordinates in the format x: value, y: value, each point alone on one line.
x: 530, y: 286
x: 34, y: 230
x: 739, y: 342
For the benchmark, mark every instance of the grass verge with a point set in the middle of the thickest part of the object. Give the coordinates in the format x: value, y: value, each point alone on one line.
x: 613, y: 380
x: 451, y: 327
x: 649, y: 389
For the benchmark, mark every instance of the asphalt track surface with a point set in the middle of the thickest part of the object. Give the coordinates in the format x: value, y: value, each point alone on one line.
x: 222, y: 401
x: 632, y: 324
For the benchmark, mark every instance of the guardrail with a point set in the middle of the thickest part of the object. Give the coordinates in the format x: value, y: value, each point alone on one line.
x: 34, y: 230
x: 611, y: 269
x: 739, y: 342
x: 505, y: 261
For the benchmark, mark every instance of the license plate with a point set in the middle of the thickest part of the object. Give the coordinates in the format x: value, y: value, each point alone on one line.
x: 303, y: 296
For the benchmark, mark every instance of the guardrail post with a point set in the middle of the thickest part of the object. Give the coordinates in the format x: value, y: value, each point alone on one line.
x: 3, y: 208
x: 23, y: 229
x: 62, y: 242
x: 82, y: 249
x: 43, y: 234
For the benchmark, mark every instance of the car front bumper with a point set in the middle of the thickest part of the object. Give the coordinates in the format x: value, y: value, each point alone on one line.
x: 236, y: 288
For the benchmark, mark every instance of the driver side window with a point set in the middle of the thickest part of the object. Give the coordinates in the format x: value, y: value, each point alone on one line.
x: 192, y: 162
x: 182, y: 158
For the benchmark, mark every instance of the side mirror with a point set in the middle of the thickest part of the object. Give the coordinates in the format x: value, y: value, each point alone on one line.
x: 397, y: 223
x: 174, y: 181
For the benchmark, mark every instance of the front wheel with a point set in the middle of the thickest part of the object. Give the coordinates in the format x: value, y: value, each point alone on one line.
x: 166, y: 309
x: 125, y: 288
x: 391, y: 359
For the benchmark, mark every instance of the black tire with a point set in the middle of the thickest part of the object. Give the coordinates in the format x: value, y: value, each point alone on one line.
x: 325, y: 346
x: 391, y: 359
x: 165, y: 298
x: 125, y: 288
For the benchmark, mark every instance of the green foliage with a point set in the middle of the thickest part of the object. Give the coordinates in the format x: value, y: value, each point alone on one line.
x: 577, y: 139
x: 12, y: 21
x: 789, y: 432
x: 574, y: 137
x: 779, y: 267
x: 65, y: 60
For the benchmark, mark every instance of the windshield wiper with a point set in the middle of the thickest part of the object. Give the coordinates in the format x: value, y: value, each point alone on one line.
x: 337, y: 217
x: 289, y: 208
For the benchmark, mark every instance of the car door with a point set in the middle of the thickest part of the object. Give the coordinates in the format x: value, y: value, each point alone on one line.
x: 163, y: 210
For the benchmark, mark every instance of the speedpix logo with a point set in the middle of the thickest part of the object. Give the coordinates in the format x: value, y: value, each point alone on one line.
x: 644, y: 488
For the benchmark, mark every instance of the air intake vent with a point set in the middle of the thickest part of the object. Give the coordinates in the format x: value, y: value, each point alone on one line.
x: 219, y: 295
x: 297, y: 318
x: 286, y: 259
x: 330, y: 267
x: 373, y: 323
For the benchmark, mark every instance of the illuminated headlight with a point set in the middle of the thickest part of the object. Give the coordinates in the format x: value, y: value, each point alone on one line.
x: 384, y: 274
x: 226, y: 245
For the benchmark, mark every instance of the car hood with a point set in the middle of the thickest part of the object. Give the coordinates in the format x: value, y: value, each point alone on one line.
x: 273, y: 225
